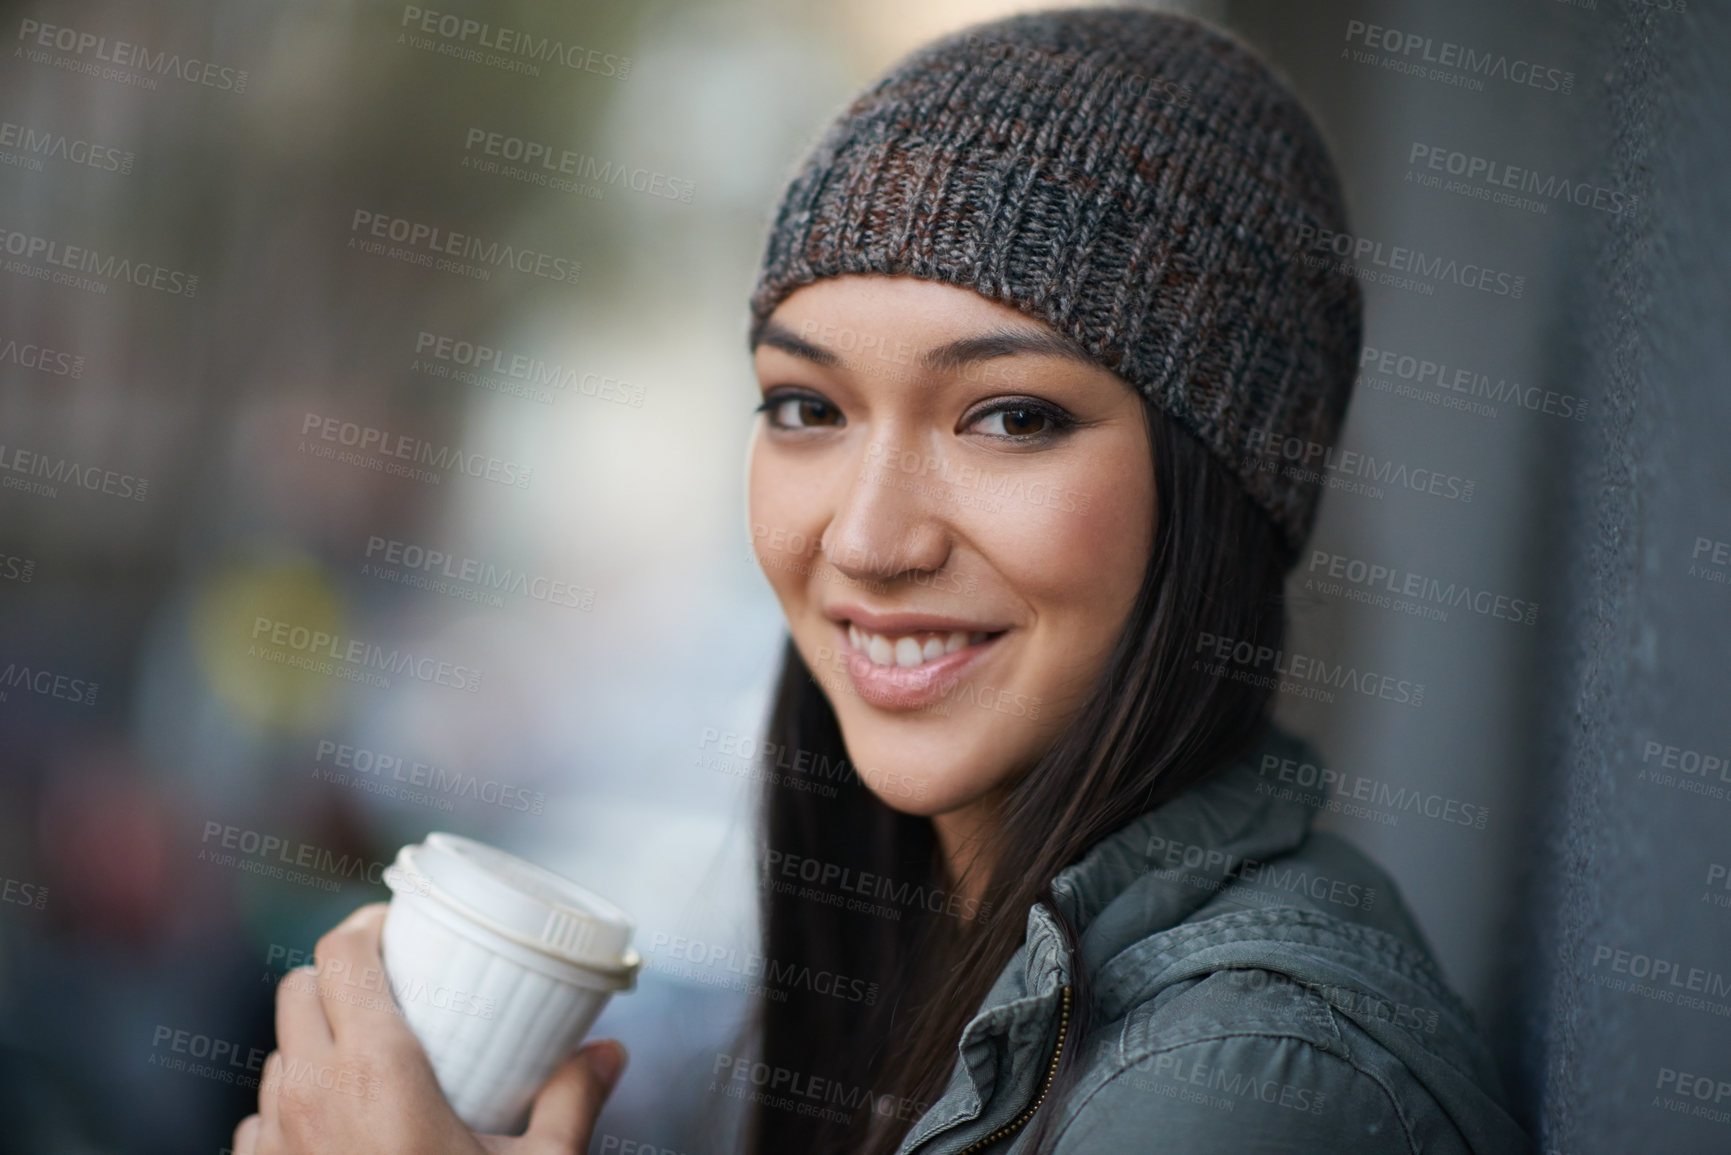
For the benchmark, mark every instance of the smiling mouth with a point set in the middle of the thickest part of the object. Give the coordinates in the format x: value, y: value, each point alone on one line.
x: 913, y: 649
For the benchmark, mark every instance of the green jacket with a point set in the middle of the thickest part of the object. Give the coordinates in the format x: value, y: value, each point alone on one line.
x: 1257, y: 987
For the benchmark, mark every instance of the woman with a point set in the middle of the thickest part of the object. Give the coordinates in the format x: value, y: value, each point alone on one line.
x: 1035, y: 334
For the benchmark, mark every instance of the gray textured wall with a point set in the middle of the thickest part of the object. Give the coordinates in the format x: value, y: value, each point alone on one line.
x: 1600, y: 864
x: 1631, y: 952
x: 1467, y: 751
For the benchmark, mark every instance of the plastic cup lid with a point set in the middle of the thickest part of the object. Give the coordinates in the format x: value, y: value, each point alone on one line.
x: 524, y: 903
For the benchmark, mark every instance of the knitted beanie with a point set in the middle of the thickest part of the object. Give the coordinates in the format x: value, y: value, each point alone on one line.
x: 1139, y: 182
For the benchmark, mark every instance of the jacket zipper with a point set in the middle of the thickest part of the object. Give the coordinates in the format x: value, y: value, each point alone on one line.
x: 1019, y: 1121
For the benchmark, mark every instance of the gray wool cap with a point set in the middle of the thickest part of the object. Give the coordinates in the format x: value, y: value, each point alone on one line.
x: 1138, y: 181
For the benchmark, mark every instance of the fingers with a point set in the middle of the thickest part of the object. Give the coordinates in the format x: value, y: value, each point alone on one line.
x: 268, y: 1087
x: 301, y: 1026
x: 245, y: 1140
x: 565, y: 1111
x: 352, y: 990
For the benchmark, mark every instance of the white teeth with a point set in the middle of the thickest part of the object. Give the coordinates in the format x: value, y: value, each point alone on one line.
x: 907, y: 651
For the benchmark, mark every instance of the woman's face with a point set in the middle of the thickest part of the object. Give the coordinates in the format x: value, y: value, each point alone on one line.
x: 955, y: 509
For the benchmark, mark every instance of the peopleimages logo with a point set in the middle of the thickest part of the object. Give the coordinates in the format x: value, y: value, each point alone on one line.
x: 474, y: 363
x: 1709, y: 1093
x: 509, y: 48
x: 1694, y: 771
x: 32, y: 145
x: 43, y: 474
x: 1496, y: 176
x: 47, y: 684
x: 1336, y: 790
x: 1245, y: 661
x: 274, y: 852
x: 394, y: 449
x: 1177, y: 1077
x: 474, y: 579
x: 1300, y: 459
x: 1399, y: 266
x: 742, y: 754
x: 834, y: 884
x: 28, y: 355
x: 1447, y: 61
x: 303, y: 648
x: 83, y: 267
x: 805, y: 1094
x: 1716, y: 568
x: 1354, y: 1000
x: 365, y: 986
x: 132, y: 62
x: 346, y: 764
x: 1718, y: 879
x: 35, y: 897
x: 1458, y: 387
x: 716, y: 964
x: 1672, y: 980
x: 439, y: 248
x: 221, y: 1059
x: 1220, y: 867
x: 549, y: 165
x: 1390, y: 586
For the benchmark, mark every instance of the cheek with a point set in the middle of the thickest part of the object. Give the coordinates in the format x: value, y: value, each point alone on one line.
x: 1078, y: 570
x: 784, y: 522
x: 1081, y: 562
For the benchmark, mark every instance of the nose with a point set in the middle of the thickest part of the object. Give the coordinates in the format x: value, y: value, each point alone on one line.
x: 888, y: 521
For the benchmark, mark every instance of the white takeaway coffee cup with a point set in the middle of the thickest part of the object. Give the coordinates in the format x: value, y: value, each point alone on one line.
x: 500, y: 968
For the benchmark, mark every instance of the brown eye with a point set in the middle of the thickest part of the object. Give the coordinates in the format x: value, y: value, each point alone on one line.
x: 800, y: 412
x: 1022, y: 421
x: 815, y: 412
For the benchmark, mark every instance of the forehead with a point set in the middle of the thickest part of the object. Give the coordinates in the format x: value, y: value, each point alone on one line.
x: 885, y: 324
x: 920, y: 309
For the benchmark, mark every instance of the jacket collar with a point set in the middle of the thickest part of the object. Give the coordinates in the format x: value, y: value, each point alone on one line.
x: 1149, y: 875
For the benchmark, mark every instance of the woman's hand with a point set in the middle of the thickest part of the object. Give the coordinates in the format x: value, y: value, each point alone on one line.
x: 348, y: 1074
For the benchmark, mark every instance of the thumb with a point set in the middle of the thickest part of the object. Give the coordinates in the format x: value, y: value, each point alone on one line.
x: 565, y: 1111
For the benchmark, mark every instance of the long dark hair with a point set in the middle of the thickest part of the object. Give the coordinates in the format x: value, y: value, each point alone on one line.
x: 1156, y: 724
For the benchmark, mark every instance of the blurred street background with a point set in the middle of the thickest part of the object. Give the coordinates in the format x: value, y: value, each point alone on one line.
x: 340, y: 324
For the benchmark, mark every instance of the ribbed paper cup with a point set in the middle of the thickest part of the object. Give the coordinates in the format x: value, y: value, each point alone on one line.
x: 500, y: 968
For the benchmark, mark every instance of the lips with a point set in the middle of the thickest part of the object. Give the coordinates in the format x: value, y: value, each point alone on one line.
x: 913, y: 649
x: 890, y: 668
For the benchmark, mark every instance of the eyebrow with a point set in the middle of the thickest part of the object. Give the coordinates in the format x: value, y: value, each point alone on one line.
x: 1004, y: 341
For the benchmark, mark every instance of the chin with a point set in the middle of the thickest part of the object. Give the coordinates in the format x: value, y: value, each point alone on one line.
x: 930, y: 745
x: 927, y: 765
